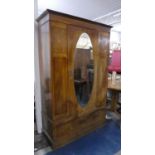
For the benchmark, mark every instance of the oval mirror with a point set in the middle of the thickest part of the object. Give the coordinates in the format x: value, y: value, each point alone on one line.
x: 83, y: 69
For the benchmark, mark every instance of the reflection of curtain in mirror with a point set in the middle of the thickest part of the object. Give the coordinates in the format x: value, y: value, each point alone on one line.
x: 91, y: 54
x: 83, y: 72
x: 82, y: 57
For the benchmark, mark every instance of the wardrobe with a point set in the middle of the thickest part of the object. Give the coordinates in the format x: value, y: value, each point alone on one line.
x: 73, y: 57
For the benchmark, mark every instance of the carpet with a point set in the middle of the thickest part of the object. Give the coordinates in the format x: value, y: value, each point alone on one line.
x: 103, y: 141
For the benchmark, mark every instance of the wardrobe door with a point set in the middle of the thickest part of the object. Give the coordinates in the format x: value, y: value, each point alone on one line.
x: 79, y: 83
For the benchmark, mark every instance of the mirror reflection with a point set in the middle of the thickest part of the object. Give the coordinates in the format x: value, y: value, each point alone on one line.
x: 83, y: 69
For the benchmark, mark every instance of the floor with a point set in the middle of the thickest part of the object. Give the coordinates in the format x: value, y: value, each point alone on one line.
x: 110, y: 143
x: 40, y: 141
x: 43, y: 151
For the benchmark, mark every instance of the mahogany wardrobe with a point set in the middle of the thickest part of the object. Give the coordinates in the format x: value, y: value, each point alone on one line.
x: 73, y: 57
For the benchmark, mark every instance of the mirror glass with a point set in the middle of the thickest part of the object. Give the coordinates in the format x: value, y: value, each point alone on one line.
x: 83, y: 69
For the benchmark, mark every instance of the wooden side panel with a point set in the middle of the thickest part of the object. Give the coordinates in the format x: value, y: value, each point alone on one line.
x: 102, y: 67
x: 59, y: 66
x: 47, y: 126
x: 45, y: 74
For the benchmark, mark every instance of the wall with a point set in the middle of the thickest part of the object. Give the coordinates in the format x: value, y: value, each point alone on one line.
x: 115, y: 40
x: 37, y: 88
